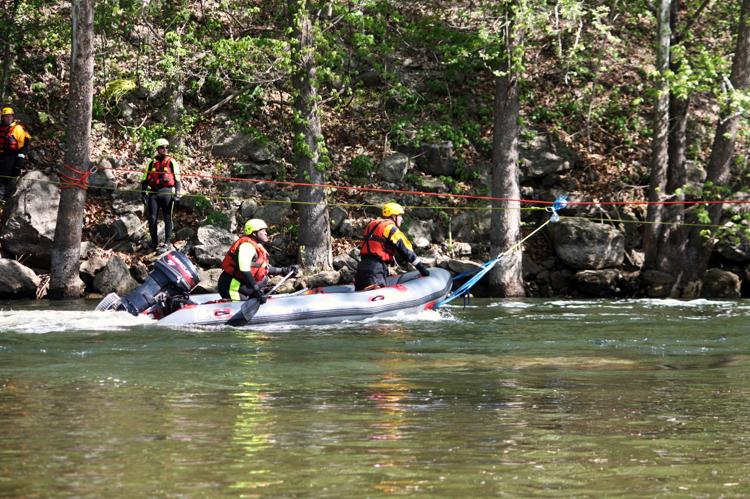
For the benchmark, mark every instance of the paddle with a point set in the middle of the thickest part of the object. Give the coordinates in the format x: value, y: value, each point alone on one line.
x: 250, y: 307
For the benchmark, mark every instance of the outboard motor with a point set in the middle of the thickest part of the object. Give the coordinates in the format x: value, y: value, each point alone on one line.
x: 174, y: 275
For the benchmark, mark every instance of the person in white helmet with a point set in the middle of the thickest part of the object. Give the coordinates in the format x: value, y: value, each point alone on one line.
x: 161, y: 187
x: 246, y: 266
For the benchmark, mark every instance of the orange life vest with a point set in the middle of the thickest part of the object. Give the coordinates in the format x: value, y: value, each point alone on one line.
x: 375, y: 242
x: 259, y: 267
x: 160, y: 173
x: 8, y: 142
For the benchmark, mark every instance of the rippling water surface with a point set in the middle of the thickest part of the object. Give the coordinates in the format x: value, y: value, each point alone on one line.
x: 503, y: 398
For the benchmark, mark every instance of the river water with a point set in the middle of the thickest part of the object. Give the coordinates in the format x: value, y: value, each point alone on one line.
x: 503, y: 398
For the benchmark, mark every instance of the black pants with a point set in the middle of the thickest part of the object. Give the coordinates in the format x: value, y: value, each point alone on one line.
x: 370, y: 272
x: 8, y: 170
x: 231, y: 289
x: 163, y: 201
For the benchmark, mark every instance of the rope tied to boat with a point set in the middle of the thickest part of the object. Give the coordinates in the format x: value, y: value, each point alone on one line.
x: 560, y: 203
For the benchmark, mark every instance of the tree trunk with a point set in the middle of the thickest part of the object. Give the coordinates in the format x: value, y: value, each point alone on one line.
x: 9, y: 45
x: 674, y: 234
x: 66, y: 251
x: 718, y: 171
x: 506, y: 278
x: 653, y: 232
x: 175, y: 110
x: 314, y: 225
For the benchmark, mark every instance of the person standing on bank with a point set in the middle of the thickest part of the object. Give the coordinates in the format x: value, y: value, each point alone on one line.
x: 246, y: 267
x: 382, y: 240
x: 14, y: 144
x: 161, y: 186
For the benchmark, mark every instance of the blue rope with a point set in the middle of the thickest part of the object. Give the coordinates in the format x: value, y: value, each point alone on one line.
x: 465, y: 287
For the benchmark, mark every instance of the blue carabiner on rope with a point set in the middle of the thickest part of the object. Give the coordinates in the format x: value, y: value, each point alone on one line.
x: 560, y: 203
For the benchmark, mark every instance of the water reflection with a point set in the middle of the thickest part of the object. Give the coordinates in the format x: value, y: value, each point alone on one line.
x: 253, y: 425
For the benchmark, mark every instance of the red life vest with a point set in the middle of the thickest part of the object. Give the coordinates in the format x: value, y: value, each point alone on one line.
x: 8, y: 141
x: 259, y: 267
x: 160, y: 173
x: 375, y: 242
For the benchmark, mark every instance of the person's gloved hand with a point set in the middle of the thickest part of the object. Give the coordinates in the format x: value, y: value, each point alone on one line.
x: 422, y: 269
x: 177, y: 197
x: 258, y: 295
x: 294, y: 269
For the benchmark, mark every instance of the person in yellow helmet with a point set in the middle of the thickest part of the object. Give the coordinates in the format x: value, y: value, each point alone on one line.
x: 14, y: 145
x: 382, y: 241
x: 246, y: 266
x: 161, y: 187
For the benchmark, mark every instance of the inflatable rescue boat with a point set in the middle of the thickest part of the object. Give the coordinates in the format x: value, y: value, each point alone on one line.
x: 165, y: 296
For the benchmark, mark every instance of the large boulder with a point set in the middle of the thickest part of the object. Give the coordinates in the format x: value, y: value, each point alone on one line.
x: 587, y: 245
x: 471, y: 226
x: 718, y: 283
x: 274, y: 212
x: 420, y: 233
x: 241, y: 146
x: 437, y: 158
x: 543, y: 156
x: 17, y: 280
x: 213, y: 244
x: 115, y: 277
x: 394, y: 167
x: 31, y: 218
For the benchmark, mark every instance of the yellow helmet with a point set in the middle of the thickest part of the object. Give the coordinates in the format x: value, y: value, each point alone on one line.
x: 254, y: 225
x: 7, y: 110
x: 161, y: 143
x: 390, y: 209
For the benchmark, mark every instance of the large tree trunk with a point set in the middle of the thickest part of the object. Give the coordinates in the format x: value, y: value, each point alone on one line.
x: 698, y: 250
x: 673, y: 233
x: 506, y: 278
x: 314, y: 225
x: 653, y: 232
x: 66, y: 251
x: 10, y: 41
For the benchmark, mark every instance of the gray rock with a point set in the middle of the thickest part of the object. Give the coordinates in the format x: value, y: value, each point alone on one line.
x: 17, y: 280
x: 274, y: 212
x: 213, y: 244
x: 543, y: 155
x: 394, y: 167
x: 115, y: 277
x: 129, y: 226
x: 419, y: 233
x: 240, y: 145
x: 437, y: 159
x: 247, y: 210
x: 31, y: 218
x: 718, y: 283
x: 103, y: 179
x: 209, y: 280
x: 325, y: 278
x: 597, y: 283
x: 471, y: 226
x: 345, y: 261
x: 586, y: 245
x: 248, y: 169
x: 337, y: 215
